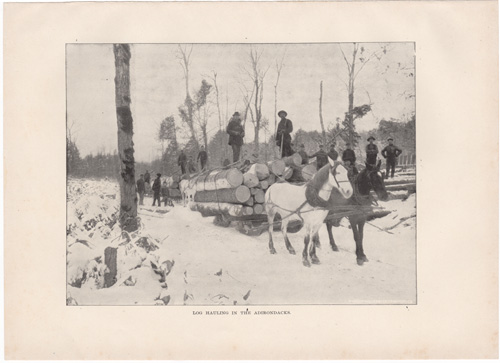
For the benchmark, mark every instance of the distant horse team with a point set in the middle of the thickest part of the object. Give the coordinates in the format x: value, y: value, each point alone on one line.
x: 330, y: 190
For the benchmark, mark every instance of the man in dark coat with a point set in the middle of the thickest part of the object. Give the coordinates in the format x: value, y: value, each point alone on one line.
x: 283, y: 137
x: 236, y: 135
x: 182, y: 161
x: 333, y: 154
x: 390, y: 153
x: 202, y: 158
x: 141, y: 189
x: 321, y: 158
x: 349, y: 159
x: 371, y: 151
x: 156, y: 190
x: 302, y: 152
x: 147, y: 182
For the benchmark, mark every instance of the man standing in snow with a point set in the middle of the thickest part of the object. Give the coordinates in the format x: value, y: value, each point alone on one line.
x: 156, y: 190
x: 283, y: 137
x: 147, y: 182
x: 182, y: 161
x: 202, y: 158
x: 164, y: 193
x: 390, y: 153
x: 236, y: 135
x: 141, y: 189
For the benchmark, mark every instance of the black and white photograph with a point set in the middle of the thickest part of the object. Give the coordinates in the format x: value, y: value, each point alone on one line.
x: 241, y: 174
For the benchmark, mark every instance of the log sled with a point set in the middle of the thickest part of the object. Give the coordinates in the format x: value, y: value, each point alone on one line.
x: 235, y: 194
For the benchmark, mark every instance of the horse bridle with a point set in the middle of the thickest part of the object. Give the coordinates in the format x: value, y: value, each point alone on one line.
x: 335, y: 178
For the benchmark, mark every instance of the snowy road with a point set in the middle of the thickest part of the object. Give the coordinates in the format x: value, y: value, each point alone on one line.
x: 220, y: 266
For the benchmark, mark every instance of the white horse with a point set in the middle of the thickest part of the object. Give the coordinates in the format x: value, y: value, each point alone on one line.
x: 188, y: 190
x: 291, y: 203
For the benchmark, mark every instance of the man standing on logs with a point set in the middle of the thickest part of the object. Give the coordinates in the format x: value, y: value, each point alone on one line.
x: 236, y: 135
x: 390, y: 153
x: 182, y: 161
x: 321, y: 157
x: 283, y: 138
x: 156, y: 190
x: 333, y: 154
x: 371, y: 151
x: 349, y: 159
x: 141, y: 189
x: 202, y: 158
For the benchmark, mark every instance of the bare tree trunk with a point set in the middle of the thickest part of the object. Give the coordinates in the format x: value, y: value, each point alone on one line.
x: 214, y: 79
x: 279, y: 66
x: 128, y: 197
x: 321, y: 112
x: 184, y: 57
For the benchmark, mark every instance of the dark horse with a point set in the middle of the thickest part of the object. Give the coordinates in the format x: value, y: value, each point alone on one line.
x: 369, y: 179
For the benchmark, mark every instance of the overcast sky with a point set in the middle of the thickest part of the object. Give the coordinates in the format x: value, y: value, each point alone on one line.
x: 158, y: 87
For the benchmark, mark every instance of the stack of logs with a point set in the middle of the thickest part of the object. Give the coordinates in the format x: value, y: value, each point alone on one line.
x: 239, y: 191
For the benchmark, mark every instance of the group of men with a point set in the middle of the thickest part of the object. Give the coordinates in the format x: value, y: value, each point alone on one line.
x: 284, y: 141
x: 390, y: 153
x: 236, y: 134
x: 159, y: 189
x: 187, y: 165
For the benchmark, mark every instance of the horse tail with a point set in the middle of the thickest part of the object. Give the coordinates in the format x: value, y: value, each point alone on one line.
x: 267, y: 199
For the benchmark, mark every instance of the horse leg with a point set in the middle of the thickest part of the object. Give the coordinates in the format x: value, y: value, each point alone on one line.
x: 312, y: 253
x: 361, y: 257
x: 305, y: 259
x: 316, y: 241
x: 284, y: 226
x: 270, y: 222
x: 356, y: 226
x: 330, y: 235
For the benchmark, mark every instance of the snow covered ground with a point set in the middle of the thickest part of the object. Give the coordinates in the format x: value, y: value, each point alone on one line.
x: 212, y: 265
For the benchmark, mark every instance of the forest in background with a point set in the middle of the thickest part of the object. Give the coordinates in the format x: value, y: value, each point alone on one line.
x: 107, y: 165
x: 188, y: 127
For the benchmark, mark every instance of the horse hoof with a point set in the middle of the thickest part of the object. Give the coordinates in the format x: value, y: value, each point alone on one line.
x: 306, y: 263
x: 315, y: 261
x: 273, y: 251
x: 292, y: 251
x: 360, y: 262
x: 335, y: 248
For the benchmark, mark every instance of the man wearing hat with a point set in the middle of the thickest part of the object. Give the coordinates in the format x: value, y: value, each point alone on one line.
x: 157, y: 189
x: 321, y: 158
x: 283, y: 138
x: 333, y: 154
x: 349, y: 158
x: 236, y: 135
x: 390, y: 153
x: 371, y: 151
x: 202, y: 157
